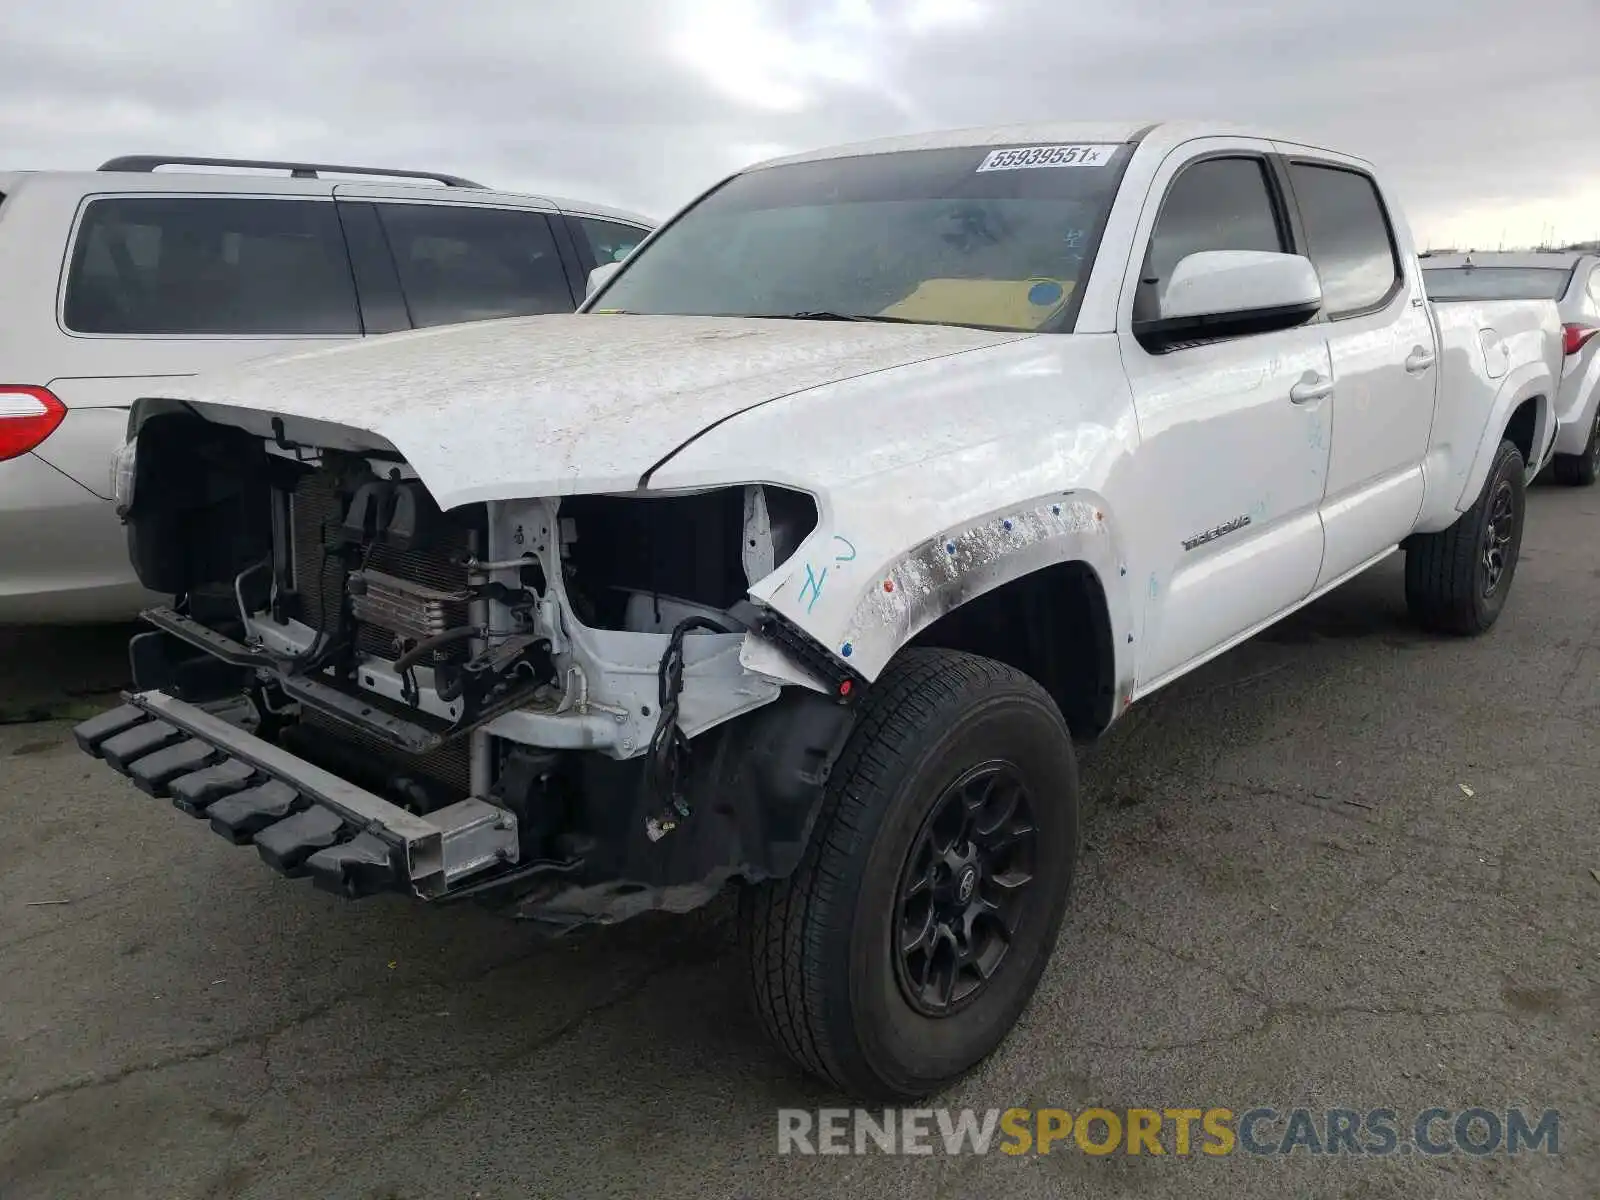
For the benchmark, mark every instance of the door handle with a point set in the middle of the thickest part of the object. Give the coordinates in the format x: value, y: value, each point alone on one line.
x: 1419, y: 360
x: 1312, y: 387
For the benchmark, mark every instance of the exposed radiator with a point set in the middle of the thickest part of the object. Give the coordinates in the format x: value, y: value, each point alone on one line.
x: 317, y: 510
x: 450, y: 766
x: 414, y: 611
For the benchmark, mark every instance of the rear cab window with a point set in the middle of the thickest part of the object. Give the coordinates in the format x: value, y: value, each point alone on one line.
x: 1348, y: 236
x: 458, y: 263
x: 209, y: 265
x: 1496, y: 283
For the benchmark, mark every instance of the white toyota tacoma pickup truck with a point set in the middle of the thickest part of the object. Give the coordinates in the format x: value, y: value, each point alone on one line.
x: 797, y: 559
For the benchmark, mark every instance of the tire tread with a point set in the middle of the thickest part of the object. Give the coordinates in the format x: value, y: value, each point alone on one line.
x: 782, y: 922
x: 1441, y: 568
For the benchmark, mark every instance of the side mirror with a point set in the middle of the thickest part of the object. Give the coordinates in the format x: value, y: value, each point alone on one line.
x: 1227, y: 293
x: 599, y: 275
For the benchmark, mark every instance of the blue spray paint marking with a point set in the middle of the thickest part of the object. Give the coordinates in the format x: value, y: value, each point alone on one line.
x: 1042, y: 295
x: 1153, y: 587
x: 813, y: 584
x: 839, y: 558
x: 846, y: 649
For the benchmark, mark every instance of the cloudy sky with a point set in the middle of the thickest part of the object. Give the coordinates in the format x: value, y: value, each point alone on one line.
x: 1486, y: 113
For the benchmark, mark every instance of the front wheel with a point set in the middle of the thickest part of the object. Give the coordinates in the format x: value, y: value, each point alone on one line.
x: 1457, y: 579
x: 913, y: 934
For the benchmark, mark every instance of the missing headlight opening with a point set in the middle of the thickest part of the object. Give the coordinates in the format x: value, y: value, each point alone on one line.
x: 570, y: 663
x: 645, y: 564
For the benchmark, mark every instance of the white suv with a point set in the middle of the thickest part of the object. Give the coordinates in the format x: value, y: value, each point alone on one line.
x: 112, y: 280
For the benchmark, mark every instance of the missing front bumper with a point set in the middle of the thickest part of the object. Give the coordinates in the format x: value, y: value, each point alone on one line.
x: 302, y: 819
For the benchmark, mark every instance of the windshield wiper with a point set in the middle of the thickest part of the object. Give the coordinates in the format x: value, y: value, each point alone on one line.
x: 825, y: 315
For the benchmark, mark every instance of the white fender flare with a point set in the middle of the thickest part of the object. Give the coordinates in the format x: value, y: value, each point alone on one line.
x: 1532, y: 381
x: 947, y: 570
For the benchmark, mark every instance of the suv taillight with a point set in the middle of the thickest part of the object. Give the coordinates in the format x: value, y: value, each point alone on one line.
x: 1574, y: 337
x: 28, y: 415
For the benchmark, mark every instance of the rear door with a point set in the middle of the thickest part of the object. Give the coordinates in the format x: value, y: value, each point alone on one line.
x: 1234, y: 437
x: 453, y: 262
x: 1381, y: 345
x: 169, y: 284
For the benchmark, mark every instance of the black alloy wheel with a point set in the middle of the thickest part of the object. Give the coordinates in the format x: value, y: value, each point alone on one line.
x: 1497, y: 537
x: 963, y: 889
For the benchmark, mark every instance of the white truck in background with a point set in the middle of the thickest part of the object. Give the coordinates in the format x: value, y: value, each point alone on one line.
x: 794, y: 560
x: 1570, y: 280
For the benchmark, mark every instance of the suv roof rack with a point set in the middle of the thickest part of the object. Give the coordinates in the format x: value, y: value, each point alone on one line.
x: 149, y: 162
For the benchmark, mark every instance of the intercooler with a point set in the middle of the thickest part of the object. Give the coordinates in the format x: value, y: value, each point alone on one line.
x: 317, y: 509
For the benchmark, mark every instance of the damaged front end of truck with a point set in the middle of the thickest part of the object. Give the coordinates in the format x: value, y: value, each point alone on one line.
x: 568, y: 708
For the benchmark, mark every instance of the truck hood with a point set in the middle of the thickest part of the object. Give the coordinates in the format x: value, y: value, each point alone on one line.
x: 562, y: 404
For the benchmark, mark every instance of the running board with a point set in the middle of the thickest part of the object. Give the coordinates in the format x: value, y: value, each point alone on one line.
x: 302, y: 819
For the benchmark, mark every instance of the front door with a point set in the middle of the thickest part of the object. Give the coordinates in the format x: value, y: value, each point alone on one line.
x: 1234, y: 432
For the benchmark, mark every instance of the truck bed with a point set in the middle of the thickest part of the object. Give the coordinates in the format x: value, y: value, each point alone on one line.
x: 1482, y: 343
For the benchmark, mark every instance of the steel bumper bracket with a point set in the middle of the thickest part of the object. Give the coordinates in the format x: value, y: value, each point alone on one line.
x: 302, y: 818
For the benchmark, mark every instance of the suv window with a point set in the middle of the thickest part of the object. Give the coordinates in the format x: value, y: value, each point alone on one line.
x: 1594, y: 290
x: 1348, y: 235
x: 471, y: 264
x: 210, y: 265
x: 1214, y: 204
x: 610, y: 241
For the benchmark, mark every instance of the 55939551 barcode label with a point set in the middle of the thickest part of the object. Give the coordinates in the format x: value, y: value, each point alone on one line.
x: 1022, y: 158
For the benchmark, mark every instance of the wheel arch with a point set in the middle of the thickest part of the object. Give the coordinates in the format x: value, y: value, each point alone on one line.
x: 1052, y: 624
x: 1523, y: 412
x: 1572, y: 433
x: 1040, y: 587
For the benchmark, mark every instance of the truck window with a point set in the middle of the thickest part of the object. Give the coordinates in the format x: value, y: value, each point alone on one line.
x: 1496, y: 283
x: 209, y: 265
x: 1214, y: 204
x: 610, y: 241
x: 472, y: 264
x: 1348, y: 236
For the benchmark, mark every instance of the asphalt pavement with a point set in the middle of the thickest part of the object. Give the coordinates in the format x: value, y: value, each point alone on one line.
x: 1345, y: 865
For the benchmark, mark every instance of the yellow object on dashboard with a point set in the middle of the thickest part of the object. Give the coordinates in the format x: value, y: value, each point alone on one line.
x: 1012, y: 303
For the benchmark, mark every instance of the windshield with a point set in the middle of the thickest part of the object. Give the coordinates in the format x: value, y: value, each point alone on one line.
x: 996, y: 238
x: 1496, y: 283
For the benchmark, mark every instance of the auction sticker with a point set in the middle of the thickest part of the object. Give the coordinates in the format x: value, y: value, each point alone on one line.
x: 1023, y: 158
